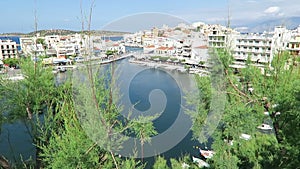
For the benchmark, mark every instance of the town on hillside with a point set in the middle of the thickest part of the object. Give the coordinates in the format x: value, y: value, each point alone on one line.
x: 187, y: 44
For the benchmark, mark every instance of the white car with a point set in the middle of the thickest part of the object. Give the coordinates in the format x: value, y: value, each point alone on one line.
x: 79, y: 59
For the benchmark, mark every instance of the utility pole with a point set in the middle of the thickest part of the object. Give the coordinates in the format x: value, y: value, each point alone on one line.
x: 228, y: 14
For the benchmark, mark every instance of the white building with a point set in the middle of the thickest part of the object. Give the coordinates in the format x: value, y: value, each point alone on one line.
x: 255, y: 46
x: 294, y: 45
x: 8, y: 49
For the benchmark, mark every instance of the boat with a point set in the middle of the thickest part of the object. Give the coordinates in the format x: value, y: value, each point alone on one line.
x: 201, y: 163
x: 265, y: 127
x: 206, y: 153
x: 245, y: 136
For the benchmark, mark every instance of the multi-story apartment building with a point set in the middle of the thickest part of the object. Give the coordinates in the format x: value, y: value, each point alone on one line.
x: 8, y: 49
x: 30, y: 48
x: 55, y: 45
x: 255, y: 46
x: 221, y: 37
x: 260, y: 48
x: 217, y: 39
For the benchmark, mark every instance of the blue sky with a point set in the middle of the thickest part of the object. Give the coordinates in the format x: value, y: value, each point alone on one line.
x: 18, y: 15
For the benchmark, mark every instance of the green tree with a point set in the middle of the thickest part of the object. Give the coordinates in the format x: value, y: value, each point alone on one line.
x: 249, y: 94
x: 11, y: 62
x: 160, y: 163
x: 110, y: 52
x: 143, y: 129
x: 29, y: 99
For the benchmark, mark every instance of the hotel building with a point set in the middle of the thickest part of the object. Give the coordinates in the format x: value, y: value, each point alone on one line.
x: 8, y: 49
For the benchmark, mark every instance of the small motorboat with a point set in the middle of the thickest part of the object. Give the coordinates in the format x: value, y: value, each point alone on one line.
x: 265, y: 127
x: 245, y: 136
x: 207, y: 153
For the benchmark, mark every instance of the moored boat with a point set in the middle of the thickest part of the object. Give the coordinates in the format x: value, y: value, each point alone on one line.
x: 207, y: 153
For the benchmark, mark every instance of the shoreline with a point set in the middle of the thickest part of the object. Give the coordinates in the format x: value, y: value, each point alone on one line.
x: 169, y: 66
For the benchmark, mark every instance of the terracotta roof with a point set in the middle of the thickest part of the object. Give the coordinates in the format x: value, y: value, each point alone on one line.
x: 150, y: 46
x: 162, y: 48
x: 202, y: 47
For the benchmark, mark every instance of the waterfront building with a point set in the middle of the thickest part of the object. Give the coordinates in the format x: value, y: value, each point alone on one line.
x: 30, y: 48
x: 165, y: 51
x: 65, y: 50
x: 255, y: 46
x: 26, y: 44
x: 294, y: 45
x: 261, y: 47
x: 51, y: 41
x: 217, y: 37
x: 8, y: 49
x: 149, y: 49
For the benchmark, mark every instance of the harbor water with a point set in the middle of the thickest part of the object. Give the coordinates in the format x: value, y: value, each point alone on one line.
x: 15, y: 141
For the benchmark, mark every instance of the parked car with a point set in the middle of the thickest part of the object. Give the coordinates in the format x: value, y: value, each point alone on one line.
x: 78, y: 59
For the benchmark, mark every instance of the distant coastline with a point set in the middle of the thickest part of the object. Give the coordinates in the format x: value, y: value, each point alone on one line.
x: 65, y: 32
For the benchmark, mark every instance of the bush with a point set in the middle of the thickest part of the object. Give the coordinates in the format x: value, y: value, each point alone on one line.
x: 11, y: 62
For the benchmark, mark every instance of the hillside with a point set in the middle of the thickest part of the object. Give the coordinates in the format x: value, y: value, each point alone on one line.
x: 65, y: 32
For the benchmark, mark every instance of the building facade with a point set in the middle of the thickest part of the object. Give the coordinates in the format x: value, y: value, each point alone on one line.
x: 256, y: 47
x: 8, y: 49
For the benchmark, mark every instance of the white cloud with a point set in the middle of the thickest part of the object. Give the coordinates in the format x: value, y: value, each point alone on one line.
x: 272, y: 10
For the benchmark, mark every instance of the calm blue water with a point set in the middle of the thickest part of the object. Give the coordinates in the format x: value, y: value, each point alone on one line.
x: 22, y: 143
x: 133, y: 49
x: 113, y: 38
x: 13, y: 38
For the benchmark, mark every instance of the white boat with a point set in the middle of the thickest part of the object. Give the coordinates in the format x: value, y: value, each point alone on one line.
x: 265, y: 127
x: 200, y: 162
x: 206, y: 153
x: 245, y: 136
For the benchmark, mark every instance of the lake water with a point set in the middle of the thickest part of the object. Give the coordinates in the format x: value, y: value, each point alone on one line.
x: 149, y: 88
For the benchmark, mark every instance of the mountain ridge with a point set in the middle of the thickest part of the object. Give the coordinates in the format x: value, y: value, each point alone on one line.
x: 269, y: 25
